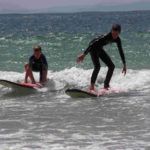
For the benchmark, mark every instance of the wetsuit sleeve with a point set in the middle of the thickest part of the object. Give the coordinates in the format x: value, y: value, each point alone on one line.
x: 119, y: 44
x: 88, y: 50
x: 97, y: 42
x: 94, y: 43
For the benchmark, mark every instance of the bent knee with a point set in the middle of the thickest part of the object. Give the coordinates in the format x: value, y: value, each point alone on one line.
x: 112, y: 66
x: 26, y: 66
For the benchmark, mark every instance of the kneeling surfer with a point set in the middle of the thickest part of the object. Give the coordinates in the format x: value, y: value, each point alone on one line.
x: 38, y: 63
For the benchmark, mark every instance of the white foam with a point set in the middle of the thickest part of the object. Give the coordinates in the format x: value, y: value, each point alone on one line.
x: 2, y: 38
x: 77, y: 77
x: 80, y: 78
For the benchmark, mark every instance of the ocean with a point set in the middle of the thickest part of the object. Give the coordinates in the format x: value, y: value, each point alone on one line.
x: 48, y: 119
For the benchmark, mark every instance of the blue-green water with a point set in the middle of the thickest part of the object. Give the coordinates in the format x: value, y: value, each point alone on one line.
x: 48, y: 118
x: 63, y: 36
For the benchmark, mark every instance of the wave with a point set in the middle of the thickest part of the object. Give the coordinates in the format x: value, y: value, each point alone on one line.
x: 80, y: 78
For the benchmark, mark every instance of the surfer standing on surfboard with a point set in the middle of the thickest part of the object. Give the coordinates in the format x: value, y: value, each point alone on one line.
x: 37, y: 63
x: 96, y: 51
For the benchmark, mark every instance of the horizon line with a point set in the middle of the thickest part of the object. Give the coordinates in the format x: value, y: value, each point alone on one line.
x: 30, y: 13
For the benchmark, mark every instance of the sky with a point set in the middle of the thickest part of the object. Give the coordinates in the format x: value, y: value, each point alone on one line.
x: 42, y: 4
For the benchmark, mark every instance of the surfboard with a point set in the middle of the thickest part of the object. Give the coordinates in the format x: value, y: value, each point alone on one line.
x: 76, y: 93
x: 15, y: 85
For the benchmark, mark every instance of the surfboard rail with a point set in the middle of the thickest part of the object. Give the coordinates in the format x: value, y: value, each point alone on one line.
x: 76, y: 93
x: 11, y: 84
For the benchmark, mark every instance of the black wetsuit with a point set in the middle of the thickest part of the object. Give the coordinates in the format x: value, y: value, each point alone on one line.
x: 96, y: 51
x: 38, y: 65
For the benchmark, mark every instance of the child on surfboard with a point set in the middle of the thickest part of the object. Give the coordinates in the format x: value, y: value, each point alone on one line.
x: 96, y: 51
x: 38, y: 63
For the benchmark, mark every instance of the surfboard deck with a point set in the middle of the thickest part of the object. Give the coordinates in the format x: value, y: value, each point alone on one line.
x: 15, y: 85
x: 76, y: 93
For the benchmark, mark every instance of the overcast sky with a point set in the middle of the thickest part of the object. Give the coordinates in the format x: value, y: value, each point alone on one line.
x: 41, y: 4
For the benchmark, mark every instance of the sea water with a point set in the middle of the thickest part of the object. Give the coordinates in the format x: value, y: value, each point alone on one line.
x: 48, y: 119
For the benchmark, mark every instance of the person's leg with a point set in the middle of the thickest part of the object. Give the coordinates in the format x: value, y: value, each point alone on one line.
x: 96, y: 63
x: 106, y: 59
x: 26, y: 75
x: 43, y: 73
x: 43, y: 76
x: 29, y: 74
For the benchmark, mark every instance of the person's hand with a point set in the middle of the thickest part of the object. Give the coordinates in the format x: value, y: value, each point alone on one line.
x: 80, y: 58
x: 124, y: 71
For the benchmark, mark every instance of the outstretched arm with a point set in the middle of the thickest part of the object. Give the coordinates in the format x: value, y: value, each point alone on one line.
x: 124, y: 71
x: 81, y: 58
x: 119, y: 44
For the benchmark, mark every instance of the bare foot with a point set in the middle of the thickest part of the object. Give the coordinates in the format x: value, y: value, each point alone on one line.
x: 92, y: 91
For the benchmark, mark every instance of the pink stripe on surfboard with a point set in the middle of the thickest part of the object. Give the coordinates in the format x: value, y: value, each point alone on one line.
x: 32, y: 85
x: 109, y: 91
x: 105, y: 91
